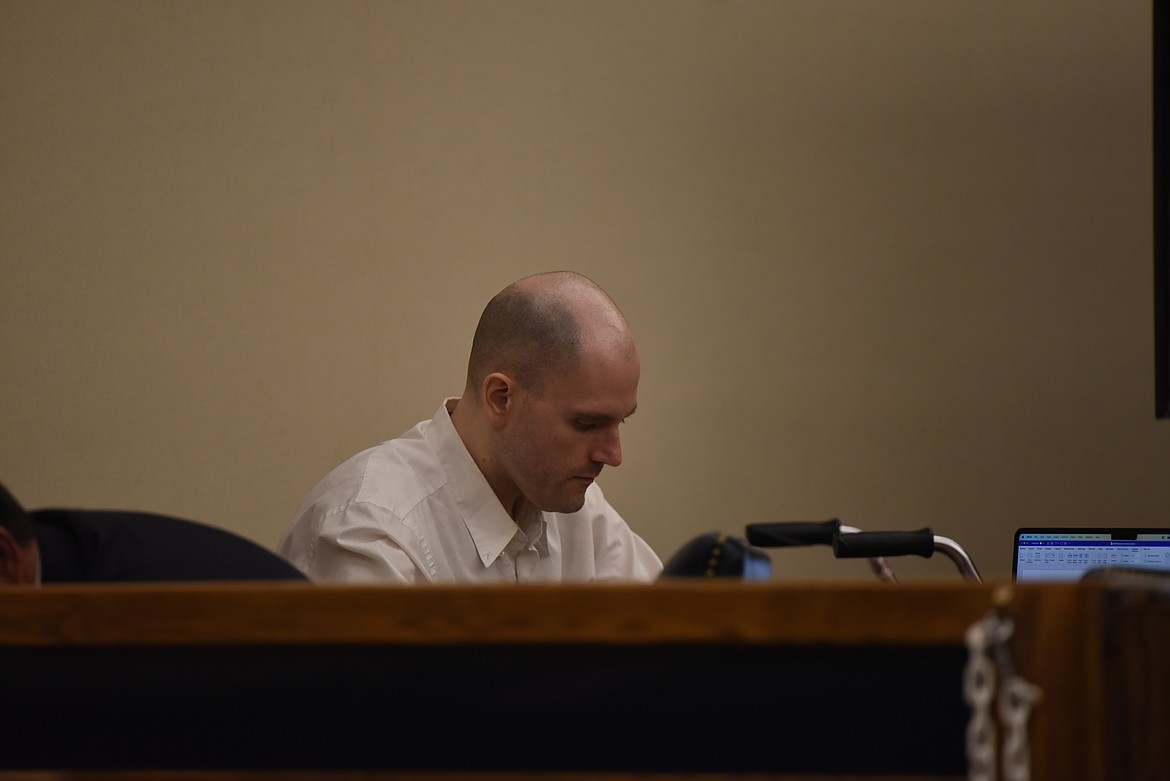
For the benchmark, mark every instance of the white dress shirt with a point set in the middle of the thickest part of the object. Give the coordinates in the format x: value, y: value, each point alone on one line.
x: 417, y: 509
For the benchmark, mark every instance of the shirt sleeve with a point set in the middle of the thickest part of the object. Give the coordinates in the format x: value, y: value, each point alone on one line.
x: 621, y: 554
x: 630, y: 558
x: 350, y: 544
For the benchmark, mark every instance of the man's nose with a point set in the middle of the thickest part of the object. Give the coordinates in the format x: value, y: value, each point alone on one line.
x: 609, y: 451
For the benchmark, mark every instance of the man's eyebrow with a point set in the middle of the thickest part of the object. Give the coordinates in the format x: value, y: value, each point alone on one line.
x: 601, y: 417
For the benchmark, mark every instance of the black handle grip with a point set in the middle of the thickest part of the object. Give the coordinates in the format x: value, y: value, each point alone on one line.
x: 868, y: 545
x: 793, y: 534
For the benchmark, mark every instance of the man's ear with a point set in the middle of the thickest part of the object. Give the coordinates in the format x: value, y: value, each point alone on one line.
x: 498, y: 397
x: 13, y: 559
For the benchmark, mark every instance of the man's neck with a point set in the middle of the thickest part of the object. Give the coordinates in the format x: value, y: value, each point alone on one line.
x: 521, y: 509
x: 472, y: 432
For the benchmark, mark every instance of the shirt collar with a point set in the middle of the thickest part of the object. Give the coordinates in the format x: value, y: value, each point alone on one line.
x: 489, y: 524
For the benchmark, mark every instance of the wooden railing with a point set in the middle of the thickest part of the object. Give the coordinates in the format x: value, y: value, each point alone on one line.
x: 702, y: 678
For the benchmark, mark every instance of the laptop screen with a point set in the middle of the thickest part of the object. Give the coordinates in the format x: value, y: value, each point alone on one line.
x: 1062, y: 555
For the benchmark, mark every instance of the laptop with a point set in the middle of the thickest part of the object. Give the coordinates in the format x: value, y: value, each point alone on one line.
x: 1063, y: 555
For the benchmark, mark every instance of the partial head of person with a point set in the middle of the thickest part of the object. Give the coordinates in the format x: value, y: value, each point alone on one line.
x: 553, y: 374
x: 18, y: 542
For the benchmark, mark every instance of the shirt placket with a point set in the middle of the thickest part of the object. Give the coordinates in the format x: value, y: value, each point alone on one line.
x: 527, y: 561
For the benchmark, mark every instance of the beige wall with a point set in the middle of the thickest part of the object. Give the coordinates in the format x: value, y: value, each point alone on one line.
x: 887, y: 261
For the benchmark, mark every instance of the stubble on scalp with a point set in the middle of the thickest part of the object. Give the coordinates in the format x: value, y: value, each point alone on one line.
x: 534, y: 328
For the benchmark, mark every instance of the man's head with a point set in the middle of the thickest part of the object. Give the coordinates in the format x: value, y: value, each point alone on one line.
x: 553, y: 373
x: 18, y: 545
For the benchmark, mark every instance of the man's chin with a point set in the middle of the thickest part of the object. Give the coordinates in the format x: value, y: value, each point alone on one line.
x: 566, y: 505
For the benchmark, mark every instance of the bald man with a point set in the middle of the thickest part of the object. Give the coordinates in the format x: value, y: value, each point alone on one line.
x: 500, y: 486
